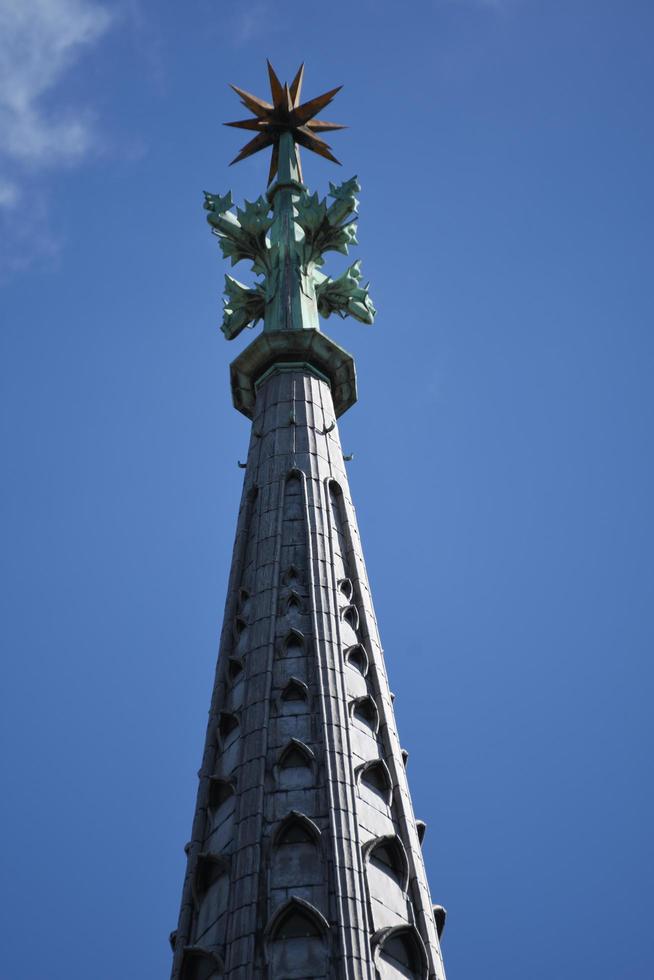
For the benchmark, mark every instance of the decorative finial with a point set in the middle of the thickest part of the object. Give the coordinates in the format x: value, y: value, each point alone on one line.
x: 287, y: 233
x: 285, y: 115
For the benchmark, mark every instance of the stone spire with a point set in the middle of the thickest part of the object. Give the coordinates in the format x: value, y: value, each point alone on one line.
x: 305, y: 858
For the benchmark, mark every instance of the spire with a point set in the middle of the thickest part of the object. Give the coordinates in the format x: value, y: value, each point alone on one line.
x: 305, y: 857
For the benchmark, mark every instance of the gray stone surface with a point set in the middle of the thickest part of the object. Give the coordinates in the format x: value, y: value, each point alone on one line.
x: 304, y: 858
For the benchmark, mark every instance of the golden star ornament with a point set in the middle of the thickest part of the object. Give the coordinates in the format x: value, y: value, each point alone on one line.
x: 285, y: 115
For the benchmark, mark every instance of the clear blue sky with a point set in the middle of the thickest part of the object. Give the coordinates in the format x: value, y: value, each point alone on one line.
x: 503, y: 468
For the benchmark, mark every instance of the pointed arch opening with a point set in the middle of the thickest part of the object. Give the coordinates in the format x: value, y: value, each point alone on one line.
x: 296, y: 755
x: 293, y: 605
x: 291, y: 576
x: 296, y: 941
x: 387, y: 856
x: 295, y: 828
x: 234, y: 669
x: 228, y: 724
x: 229, y: 744
x: 240, y: 630
x: 201, y: 964
x: 345, y: 588
x: 293, y: 644
x: 350, y: 615
x: 240, y: 625
x: 244, y: 601
x: 405, y: 757
x: 364, y: 710
x: 295, y: 690
x: 421, y: 827
x: 211, y: 895
x: 296, y: 858
x: 400, y: 953
x: 209, y: 869
x: 221, y: 806
x: 295, y: 766
x: 220, y: 792
x: 375, y: 777
x: 296, y: 924
x: 294, y: 698
x: 357, y: 657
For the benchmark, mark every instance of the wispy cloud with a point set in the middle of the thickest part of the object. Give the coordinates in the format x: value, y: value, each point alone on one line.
x: 40, y: 40
x: 250, y: 21
x: 9, y: 193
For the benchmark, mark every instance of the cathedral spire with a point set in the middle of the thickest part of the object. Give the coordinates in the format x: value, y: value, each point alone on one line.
x: 305, y: 858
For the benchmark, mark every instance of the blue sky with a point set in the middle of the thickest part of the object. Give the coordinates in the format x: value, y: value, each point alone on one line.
x: 503, y: 468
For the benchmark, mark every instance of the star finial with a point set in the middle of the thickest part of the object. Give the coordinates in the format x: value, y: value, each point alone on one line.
x: 285, y: 115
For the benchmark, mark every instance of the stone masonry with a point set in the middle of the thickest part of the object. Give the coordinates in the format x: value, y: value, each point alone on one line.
x: 305, y: 858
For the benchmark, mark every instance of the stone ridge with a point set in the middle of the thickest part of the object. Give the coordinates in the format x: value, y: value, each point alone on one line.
x: 305, y: 859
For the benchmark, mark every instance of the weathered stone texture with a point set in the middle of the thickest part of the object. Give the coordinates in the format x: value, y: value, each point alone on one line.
x: 304, y: 859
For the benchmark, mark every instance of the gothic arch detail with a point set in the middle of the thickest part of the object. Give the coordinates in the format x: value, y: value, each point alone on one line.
x: 293, y: 644
x: 295, y: 690
x: 208, y: 869
x: 300, y: 822
x: 293, y: 605
x: 279, y: 925
x: 220, y: 790
x: 211, y: 897
x: 229, y: 743
x: 387, y: 854
x: 399, y: 953
x: 295, y: 767
x: 201, y: 964
x: 296, y: 860
x: 228, y: 724
x: 364, y: 710
x: 291, y: 576
x: 376, y: 777
x: 295, y: 754
x: 296, y: 941
x: 350, y: 615
x: 221, y: 809
x: 357, y: 657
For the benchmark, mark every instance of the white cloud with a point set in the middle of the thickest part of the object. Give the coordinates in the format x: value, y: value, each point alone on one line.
x: 9, y: 193
x: 39, y: 40
x: 250, y: 22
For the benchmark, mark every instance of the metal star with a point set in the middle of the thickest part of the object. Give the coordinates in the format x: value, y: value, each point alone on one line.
x: 285, y: 115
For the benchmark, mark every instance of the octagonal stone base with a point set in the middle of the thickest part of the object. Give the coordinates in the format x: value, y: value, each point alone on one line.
x: 290, y: 349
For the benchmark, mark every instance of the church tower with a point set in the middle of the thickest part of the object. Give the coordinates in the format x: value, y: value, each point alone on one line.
x: 305, y: 857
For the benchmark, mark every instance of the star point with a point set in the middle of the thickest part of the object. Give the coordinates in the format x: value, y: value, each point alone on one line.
x: 285, y: 115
